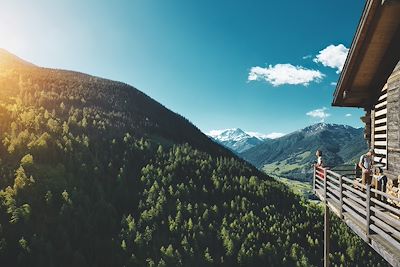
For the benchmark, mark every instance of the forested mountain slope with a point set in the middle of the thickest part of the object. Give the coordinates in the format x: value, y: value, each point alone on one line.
x: 292, y: 155
x: 121, y: 106
x: 95, y: 173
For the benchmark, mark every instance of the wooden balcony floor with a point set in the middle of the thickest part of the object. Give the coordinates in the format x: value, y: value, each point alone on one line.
x: 378, y: 243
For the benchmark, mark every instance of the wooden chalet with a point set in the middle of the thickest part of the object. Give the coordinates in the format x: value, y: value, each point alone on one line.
x: 370, y: 79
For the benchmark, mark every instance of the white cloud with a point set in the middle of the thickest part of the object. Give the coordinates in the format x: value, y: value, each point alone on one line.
x: 281, y: 74
x: 332, y: 56
x: 273, y: 135
x: 333, y: 83
x: 320, y: 113
x: 348, y: 115
x: 307, y: 57
x: 257, y: 134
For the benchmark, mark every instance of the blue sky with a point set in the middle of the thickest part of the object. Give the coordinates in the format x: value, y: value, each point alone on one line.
x: 200, y: 58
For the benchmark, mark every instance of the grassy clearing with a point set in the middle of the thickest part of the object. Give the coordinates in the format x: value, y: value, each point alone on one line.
x: 303, y: 189
x: 280, y: 167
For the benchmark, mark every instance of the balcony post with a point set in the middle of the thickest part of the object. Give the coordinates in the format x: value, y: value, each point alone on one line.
x: 368, y: 207
x: 326, y: 235
x: 341, y: 197
x: 325, y: 185
x: 326, y: 223
x: 313, y: 184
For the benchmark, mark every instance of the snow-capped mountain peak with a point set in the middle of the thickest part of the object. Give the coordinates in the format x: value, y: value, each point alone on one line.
x: 238, y: 134
x: 234, y: 134
x: 238, y: 140
x: 318, y: 127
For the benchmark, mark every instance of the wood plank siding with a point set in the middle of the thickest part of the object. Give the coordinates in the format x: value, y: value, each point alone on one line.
x: 393, y: 122
x: 379, y: 128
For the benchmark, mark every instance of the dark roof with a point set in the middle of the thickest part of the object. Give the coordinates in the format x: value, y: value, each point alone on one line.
x: 373, y: 55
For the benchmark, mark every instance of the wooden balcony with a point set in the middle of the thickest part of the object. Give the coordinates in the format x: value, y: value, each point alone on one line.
x: 366, y: 210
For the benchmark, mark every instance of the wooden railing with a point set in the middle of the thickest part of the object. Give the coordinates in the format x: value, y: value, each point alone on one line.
x: 364, y: 209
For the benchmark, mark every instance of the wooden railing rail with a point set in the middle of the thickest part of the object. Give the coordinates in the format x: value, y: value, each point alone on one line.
x: 363, y: 208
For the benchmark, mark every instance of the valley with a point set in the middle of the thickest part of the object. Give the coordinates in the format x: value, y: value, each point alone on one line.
x: 303, y: 189
x: 293, y: 154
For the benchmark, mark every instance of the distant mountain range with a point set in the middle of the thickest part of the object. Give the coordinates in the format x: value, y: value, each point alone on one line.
x: 238, y: 140
x: 292, y: 155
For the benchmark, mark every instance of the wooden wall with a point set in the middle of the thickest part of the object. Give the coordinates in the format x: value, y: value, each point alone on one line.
x: 379, y: 129
x: 393, y: 124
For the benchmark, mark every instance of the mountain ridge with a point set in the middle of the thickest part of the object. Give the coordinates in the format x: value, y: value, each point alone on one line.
x: 9, y: 59
x: 235, y: 139
x: 239, y: 140
x: 140, y: 105
x: 292, y: 155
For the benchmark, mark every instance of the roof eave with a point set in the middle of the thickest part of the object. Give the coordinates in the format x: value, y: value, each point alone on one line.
x: 372, y: 20
x: 356, y: 45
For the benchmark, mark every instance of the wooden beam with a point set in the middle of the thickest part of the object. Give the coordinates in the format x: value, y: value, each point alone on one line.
x: 395, y: 222
x: 382, y: 97
x: 314, y: 179
x: 380, y: 143
x: 387, y: 237
x: 356, y: 95
x: 326, y: 225
x: 380, y: 136
x: 326, y: 236
x: 381, y: 112
x: 383, y: 120
x: 372, y: 138
x: 380, y: 151
x: 380, y: 223
x: 380, y: 128
x: 341, y: 197
x: 382, y: 104
x: 354, y: 197
x: 368, y: 208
